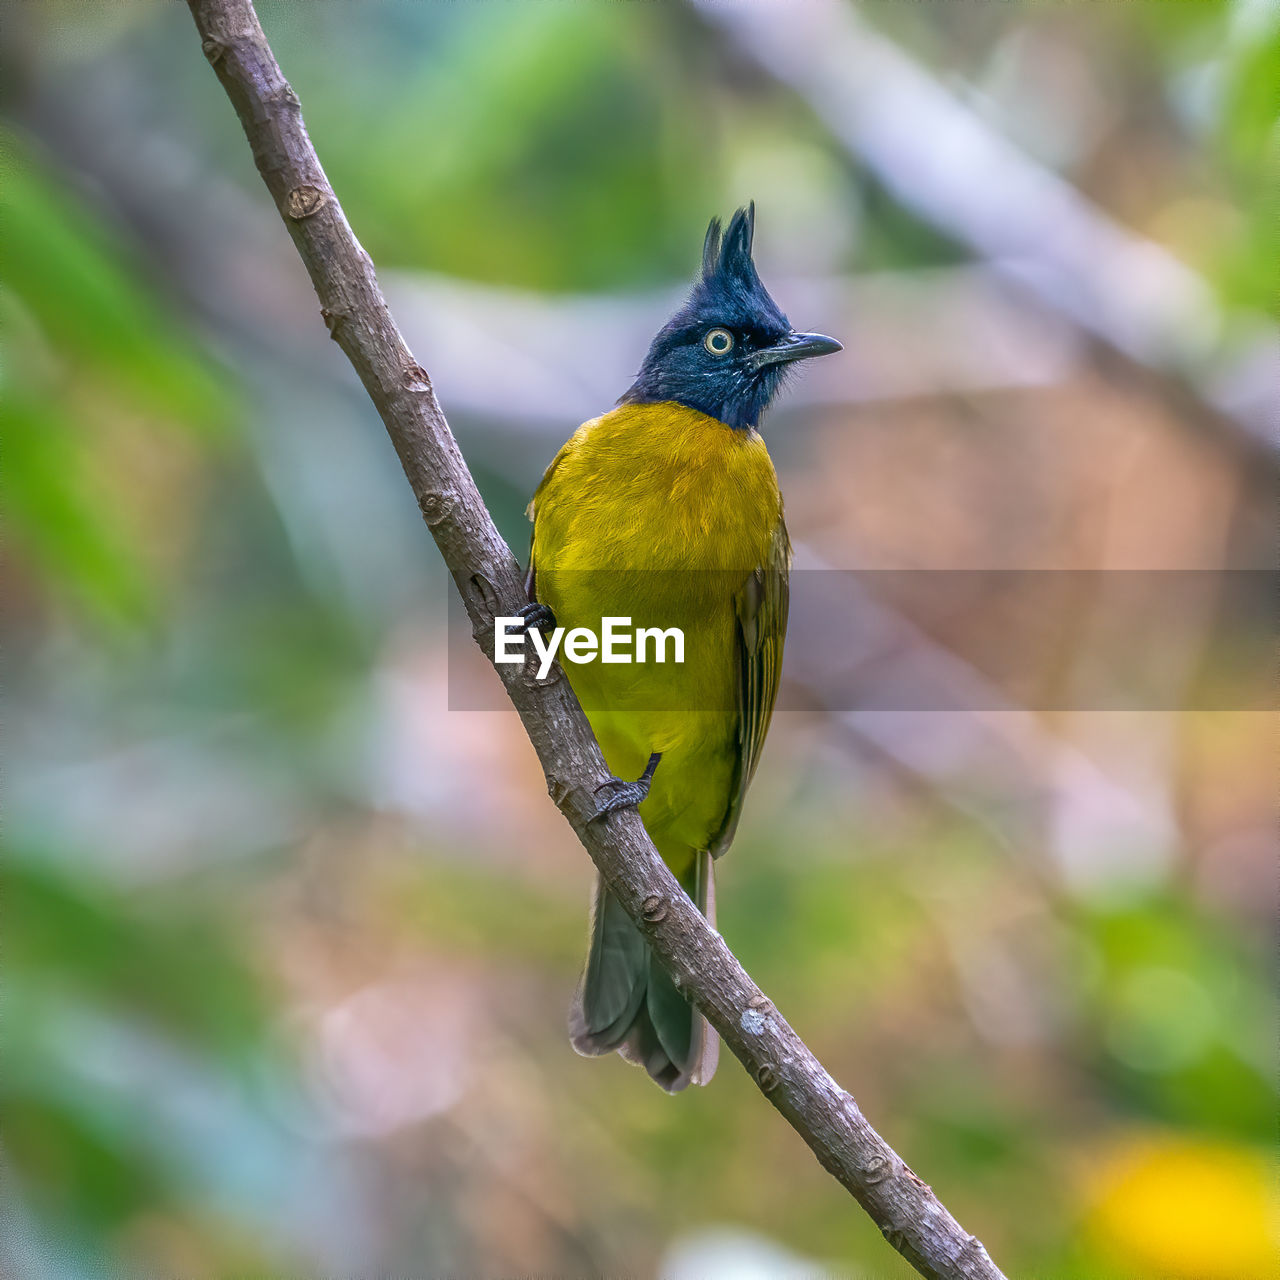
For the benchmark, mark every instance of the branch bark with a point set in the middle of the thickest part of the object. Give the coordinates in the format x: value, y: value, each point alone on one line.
x: 486, y: 573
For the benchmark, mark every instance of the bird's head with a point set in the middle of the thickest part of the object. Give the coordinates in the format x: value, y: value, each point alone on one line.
x: 727, y: 351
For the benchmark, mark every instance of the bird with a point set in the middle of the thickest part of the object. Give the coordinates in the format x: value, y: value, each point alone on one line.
x: 666, y: 510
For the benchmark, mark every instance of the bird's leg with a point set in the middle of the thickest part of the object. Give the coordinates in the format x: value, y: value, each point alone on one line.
x: 626, y: 794
x: 535, y: 617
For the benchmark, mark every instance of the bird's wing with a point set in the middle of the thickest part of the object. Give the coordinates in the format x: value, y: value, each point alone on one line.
x: 761, y: 604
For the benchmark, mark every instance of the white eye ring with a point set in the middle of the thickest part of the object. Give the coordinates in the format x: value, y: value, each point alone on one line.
x: 718, y: 341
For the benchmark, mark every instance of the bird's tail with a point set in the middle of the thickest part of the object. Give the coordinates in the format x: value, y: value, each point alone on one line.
x: 626, y: 1000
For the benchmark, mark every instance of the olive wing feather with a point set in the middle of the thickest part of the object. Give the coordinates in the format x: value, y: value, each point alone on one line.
x: 761, y: 606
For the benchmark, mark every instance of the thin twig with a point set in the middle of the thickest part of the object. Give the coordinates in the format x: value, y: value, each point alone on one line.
x: 906, y: 1210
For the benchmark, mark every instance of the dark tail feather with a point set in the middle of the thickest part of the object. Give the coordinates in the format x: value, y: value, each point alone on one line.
x: 626, y: 1002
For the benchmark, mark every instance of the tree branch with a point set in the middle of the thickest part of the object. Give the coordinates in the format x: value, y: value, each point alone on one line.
x: 489, y: 579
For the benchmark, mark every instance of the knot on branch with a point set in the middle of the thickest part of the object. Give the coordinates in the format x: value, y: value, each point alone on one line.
x: 333, y: 320
x: 876, y: 1170
x: 304, y: 201
x: 529, y: 673
x: 416, y: 378
x: 894, y: 1235
x: 767, y: 1077
x: 212, y: 49
x: 654, y: 908
x: 284, y: 96
x: 483, y: 589
x: 559, y: 790
x: 436, y: 508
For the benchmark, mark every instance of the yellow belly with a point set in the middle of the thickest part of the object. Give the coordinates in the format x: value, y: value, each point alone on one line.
x: 658, y: 513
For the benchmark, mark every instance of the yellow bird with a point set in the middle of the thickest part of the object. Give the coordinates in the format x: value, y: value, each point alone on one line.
x: 666, y: 511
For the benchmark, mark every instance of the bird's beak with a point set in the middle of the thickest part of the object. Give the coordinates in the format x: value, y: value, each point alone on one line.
x: 796, y: 346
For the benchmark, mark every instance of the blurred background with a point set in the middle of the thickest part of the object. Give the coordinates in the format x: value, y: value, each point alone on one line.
x: 289, y: 943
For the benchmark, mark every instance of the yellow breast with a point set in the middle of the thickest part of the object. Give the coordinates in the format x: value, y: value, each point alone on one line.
x: 657, y: 486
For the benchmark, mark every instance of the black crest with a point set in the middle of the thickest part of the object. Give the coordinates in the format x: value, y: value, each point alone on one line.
x: 732, y: 254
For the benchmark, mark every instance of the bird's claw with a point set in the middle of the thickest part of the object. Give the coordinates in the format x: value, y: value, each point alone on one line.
x: 623, y: 794
x: 533, y: 617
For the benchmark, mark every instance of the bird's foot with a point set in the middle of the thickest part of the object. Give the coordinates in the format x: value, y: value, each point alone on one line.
x: 534, y: 617
x: 623, y: 794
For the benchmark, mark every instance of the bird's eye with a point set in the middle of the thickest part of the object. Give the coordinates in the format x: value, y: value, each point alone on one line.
x: 718, y: 341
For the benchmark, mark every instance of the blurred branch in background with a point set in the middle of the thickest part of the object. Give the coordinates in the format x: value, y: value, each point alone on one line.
x: 940, y: 159
x: 921, y: 333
